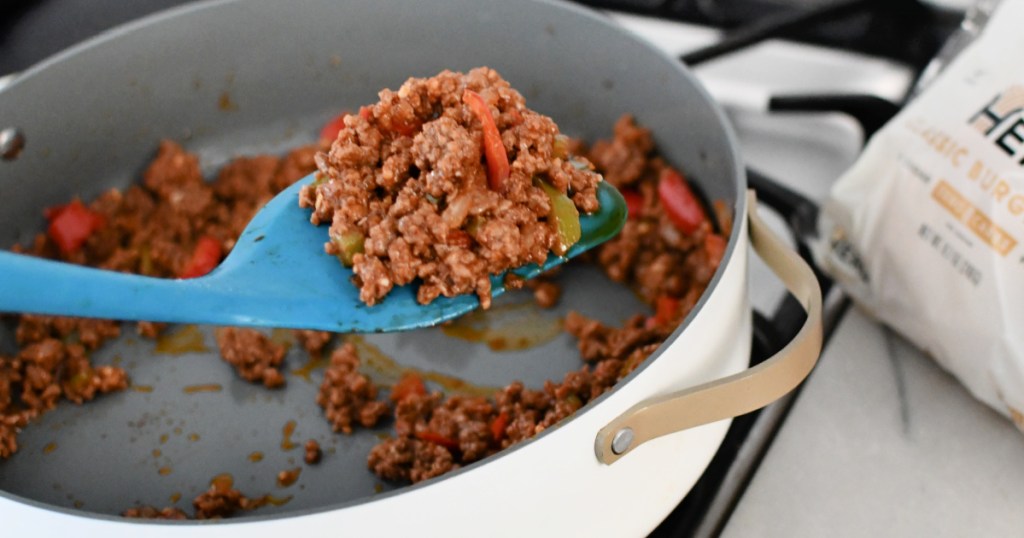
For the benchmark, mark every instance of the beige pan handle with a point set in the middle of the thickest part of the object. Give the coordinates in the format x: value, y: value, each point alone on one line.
x: 739, y: 393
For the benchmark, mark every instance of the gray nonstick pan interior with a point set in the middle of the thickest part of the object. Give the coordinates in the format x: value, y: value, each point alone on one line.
x: 231, y: 78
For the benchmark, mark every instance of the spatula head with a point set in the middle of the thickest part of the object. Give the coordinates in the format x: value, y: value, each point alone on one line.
x: 281, y: 254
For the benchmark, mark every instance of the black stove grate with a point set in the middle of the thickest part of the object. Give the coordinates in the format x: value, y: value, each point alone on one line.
x: 909, y: 31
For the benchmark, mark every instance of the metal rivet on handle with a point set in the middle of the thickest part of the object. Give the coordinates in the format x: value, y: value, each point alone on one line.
x: 11, y: 143
x: 623, y: 438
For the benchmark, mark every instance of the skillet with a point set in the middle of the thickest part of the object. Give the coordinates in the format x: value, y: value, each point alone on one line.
x: 92, y: 117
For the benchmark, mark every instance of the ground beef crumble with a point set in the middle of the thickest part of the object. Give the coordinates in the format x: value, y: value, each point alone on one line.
x: 90, y: 333
x: 218, y: 503
x: 149, y: 512
x: 221, y: 500
x: 409, y: 193
x: 313, y: 342
x: 347, y: 396
x: 150, y: 228
x: 255, y: 357
x: 405, y: 459
x: 650, y: 253
x: 150, y: 329
x: 545, y: 292
x: 47, y: 369
x: 10, y: 424
x: 288, y: 477
x: 313, y: 454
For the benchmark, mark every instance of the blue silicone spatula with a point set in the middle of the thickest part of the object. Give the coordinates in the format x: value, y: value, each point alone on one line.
x: 277, y: 275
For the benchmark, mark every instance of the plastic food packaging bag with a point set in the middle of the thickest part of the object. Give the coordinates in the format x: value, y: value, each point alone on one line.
x: 926, y: 230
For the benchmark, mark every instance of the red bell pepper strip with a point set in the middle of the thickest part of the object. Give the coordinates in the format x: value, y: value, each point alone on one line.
x: 666, y: 308
x: 204, y: 258
x: 459, y: 238
x: 681, y: 206
x: 405, y: 128
x: 634, y: 203
x: 437, y: 439
x: 330, y: 130
x: 494, y: 151
x: 408, y: 384
x: 714, y: 247
x: 498, y: 426
x: 72, y: 224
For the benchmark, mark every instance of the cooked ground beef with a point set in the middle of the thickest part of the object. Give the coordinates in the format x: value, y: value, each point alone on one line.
x: 221, y: 500
x: 412, y: 409
x: 90, y: 333
x: 152, y: 229
x: 81, y: 381
x: 651, y: 254
x: 10, y: 424
x: 150, y: 329
x: 313, y: 342
x: 288, y: 477
x: 666, y: 266
x: 624, y: 158
x: 47, y: 369
x: 347, y: 396
x: 598, y: 342
x: 149, y: 512
x: 412, y: 191
x: 523, y: 408
x: 545, y: 292
x: 255, y: 357
x: 436, y: 434
x: 313, y: 452
x: 405, y: 459
x: 461, y: 423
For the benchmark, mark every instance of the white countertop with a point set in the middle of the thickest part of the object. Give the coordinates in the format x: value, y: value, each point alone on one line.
x: 883, y: 442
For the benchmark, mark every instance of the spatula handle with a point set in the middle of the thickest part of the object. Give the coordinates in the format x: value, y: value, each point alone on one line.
x: 39, y: 286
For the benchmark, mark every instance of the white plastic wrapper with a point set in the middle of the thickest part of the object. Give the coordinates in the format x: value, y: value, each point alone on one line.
x: 926, y: 230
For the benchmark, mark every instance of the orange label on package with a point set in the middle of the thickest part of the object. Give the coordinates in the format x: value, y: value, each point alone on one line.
x: 996, y: 237
x: 977, y: 222
x: 952, y: 200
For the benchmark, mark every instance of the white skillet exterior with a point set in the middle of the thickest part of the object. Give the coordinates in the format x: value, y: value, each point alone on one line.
x: 552, y: 486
